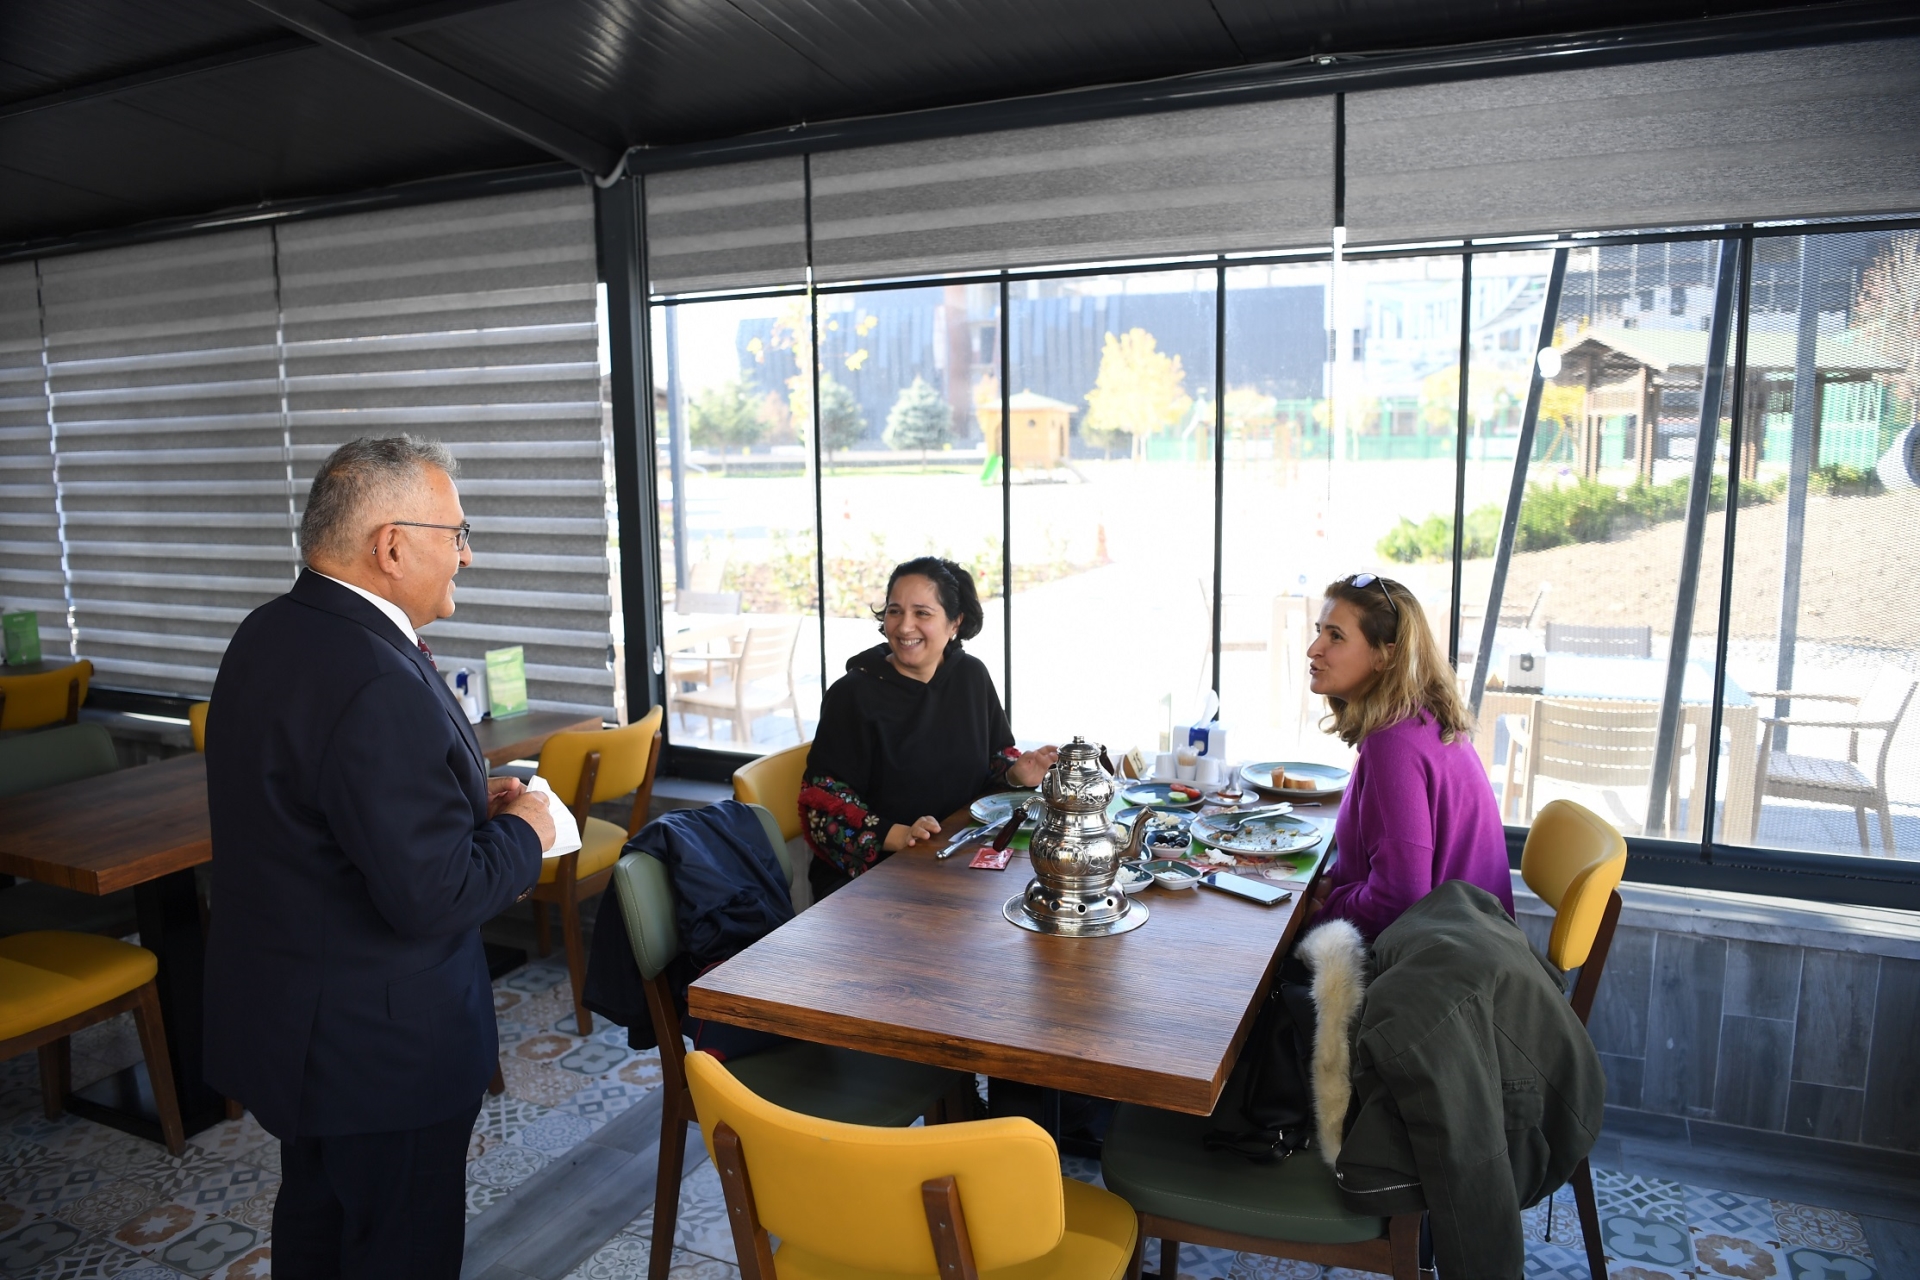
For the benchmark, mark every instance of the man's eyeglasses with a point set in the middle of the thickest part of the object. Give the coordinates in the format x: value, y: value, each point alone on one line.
x: 1361, y: 581
x: 462, y: 532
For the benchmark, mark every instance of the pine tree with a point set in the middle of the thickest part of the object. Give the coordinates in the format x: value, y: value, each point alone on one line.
x: 919, y: 419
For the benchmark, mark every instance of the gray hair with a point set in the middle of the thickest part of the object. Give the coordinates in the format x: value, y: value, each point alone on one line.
x: 358, y: 476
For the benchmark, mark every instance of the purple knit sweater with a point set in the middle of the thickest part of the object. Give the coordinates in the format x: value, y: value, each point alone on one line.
x: 1417, y: 812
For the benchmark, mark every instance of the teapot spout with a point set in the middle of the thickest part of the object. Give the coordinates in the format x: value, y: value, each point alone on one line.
x: 1138, y: 837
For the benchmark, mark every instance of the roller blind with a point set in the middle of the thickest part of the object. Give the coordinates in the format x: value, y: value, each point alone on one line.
x: 736, y: 226
x: 474, y: 323
x: 1796, y: 133
x: 30, y: 573
x: 1208, y: 180
x: 164, y: 368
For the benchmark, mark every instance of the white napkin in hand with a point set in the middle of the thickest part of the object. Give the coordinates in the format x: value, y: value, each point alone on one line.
x: 566, y: 832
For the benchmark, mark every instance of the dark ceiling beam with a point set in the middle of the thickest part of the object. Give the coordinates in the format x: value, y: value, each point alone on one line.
x: 416, y: 18
x: 337, y: 31
x: 275, y: 47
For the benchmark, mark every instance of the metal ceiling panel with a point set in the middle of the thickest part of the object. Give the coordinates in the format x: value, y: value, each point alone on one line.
x: 1272, y: 29
x: 47, y: 47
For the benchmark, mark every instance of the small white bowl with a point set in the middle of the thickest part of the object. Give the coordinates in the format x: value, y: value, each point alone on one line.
x: 1173, y: 875
x: 1133, y: 879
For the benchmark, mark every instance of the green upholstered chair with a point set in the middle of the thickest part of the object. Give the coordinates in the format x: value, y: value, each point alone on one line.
x: 33, y: 761
x: 1157, y: 1162
x: 819, y: 1080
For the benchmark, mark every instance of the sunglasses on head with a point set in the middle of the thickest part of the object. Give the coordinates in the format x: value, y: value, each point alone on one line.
x: 1361, y: 581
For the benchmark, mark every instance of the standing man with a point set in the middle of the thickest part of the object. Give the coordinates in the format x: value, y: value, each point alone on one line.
x: 358, y: 844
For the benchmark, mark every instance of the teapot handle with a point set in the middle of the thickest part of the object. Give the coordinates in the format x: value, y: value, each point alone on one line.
x: 1106, y: 763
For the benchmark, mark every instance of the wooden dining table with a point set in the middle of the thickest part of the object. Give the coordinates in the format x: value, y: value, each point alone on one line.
x: 521, y: 737
x: 143, y: 829
x: 914, y: 960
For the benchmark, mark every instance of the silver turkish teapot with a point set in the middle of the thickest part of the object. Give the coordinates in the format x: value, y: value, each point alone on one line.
x: 1076, y: 853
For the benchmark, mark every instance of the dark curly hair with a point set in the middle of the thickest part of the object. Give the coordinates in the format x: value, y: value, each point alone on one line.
x: 954, y: 586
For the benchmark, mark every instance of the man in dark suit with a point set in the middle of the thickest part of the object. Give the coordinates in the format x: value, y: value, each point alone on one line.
x: 358, y: 844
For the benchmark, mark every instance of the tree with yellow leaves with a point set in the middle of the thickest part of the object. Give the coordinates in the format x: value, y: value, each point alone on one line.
x: 1140, y: 392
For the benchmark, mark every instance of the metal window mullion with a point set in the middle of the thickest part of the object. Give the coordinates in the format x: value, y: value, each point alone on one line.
x: 813, y: 372
x: 1705, y: 446
x: 1735, y: 441
x: 1219, y: 459
x: 1006, y: 495
x: 1460, y: 457
x: 1516, y: 491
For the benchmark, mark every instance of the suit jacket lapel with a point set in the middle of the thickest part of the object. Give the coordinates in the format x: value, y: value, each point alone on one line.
x: 317, y: 590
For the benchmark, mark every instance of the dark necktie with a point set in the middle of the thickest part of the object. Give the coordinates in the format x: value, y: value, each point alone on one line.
x: 429, y: 654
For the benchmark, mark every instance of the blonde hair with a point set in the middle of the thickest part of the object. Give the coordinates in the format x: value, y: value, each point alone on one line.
x: 1416, y: 677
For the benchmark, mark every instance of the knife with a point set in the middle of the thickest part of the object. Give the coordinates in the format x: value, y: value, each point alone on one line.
x: 964, y: 836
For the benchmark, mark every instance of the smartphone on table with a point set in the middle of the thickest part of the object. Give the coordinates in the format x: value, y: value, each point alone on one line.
x: 1259, y: 891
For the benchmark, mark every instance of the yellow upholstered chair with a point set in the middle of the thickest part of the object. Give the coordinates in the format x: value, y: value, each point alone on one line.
x: 773, y: 782
x: 981, y: 1198
x: 51, y: 697
x: 53, y: 984
x: 586, y: 769
x: 1574, y: 860
x: 197, y: 717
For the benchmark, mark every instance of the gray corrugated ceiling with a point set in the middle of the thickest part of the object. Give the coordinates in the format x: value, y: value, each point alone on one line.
x: 114, y: 112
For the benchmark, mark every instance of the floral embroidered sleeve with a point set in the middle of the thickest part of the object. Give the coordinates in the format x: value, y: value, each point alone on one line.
x: 998, y: 764
x: 840, y: 826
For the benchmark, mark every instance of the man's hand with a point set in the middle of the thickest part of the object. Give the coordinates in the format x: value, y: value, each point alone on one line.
x: 501, y: 792
x: 1032, y: 766
x: 531, y: 808
x: 904, y: 837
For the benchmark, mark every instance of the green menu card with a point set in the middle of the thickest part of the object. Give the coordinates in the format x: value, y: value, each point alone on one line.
x: 507, y: 681
x: 22, y: 637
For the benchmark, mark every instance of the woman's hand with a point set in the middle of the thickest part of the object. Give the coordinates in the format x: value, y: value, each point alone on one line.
x: 1030, y: 768
x: 901, y: 837
x: 1318, y: 897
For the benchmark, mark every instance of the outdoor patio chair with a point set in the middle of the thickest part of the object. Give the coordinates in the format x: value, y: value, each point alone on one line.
x: 820, y: 1080
x: 1605, y: 745
x: 586, y: 769
x: 1604, y: 642
x: 47, y: 697
x: 722, y: 602
x: 759, y: 682
x: 1823, y: 780
x: 956, y: 1202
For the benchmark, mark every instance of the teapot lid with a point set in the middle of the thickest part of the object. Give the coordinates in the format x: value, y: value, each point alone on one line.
x: 1076, y: 781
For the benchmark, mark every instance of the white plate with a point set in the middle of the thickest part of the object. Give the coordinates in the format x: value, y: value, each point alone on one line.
x: 996, y: 807
x: 1269, y: 835
x: 1158, y: 794
x: 1260, y: 775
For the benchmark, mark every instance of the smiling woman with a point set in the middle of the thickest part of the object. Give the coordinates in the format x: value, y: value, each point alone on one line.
x: 912, y: 732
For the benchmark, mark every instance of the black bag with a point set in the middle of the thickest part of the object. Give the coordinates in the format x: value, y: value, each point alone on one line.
x: 1271, y: 1086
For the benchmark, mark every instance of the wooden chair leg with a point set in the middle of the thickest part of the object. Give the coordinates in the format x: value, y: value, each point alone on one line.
x: 1403, y: 1240
x: 542, y: 940
x: 1169, y: 1259
x: 1589, y: 1210
x: 56, y: 1076
x: 153, y: 1045
x: 497, y: 1085
x: 666, y: 1197
x: 576, y: 962
x: 235, y: 1109
x: 1139, y: 1258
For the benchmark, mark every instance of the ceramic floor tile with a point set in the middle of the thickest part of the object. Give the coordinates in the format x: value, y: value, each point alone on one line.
x: 1748, y: 1259
x: 171, y: 1176
x: 482, y: 1197
x: 48, y: 1185
x: 540, y: 1083
x: 265, y: 1156
x: 25, y: 1248
x: 601, y: 1102
x: 506, y: 1166
x: 94, y: 1259
x: 703, y: 1227
x: 145, y: 1232
x: 502, y: 1117
x: 106, y: 1207
x: 255, y: 1264
x: 1830, y: 1229
x: 231, y: 1139
x: 556, y: 1132
x: 1728, y: 1213
x: 209, y: 1247
x: 257, y: 1209
x: 1806, y: 1263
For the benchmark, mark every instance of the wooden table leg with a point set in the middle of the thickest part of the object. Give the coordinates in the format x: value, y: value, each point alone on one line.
x: 168, y: 912
x: 1743, y: 805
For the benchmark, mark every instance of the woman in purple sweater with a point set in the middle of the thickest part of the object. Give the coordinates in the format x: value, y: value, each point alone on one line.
x: 1419, y: 809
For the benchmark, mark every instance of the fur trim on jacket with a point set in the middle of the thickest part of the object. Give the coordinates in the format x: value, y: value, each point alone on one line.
x: 1338, y: 957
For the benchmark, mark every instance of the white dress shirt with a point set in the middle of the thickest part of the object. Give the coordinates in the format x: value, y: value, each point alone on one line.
x: 385, y: 606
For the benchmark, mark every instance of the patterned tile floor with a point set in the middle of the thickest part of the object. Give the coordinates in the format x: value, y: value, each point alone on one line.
x: 79, y: 1201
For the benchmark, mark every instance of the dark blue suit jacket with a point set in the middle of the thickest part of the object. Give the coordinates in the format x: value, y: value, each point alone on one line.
x: 353, y: 863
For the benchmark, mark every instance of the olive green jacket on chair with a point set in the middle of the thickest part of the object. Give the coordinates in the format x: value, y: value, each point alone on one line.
x: 1476, y: 1090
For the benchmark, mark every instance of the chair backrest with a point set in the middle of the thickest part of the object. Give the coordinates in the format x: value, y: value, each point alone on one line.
x: 33, y: 761
x: 49, y: 697
x: 801, y: 1168
x: 1574, y: 860
x: 197, y: 717
x: 773, y: 781
x: 706, y: 602
x: 1597, y: 743
x: 768, y: 652
x: 645, y: 894
x: 1886, y: 702
x: 626, y: 759
x: 1607, y: 642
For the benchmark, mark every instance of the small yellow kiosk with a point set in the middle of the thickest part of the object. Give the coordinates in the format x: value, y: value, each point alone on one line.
x: 1040, y: 432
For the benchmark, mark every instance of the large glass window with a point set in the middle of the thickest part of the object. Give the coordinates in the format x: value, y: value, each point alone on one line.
x: 1111, y: 465
x: 1824, y: 636
x: 733, y: 406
